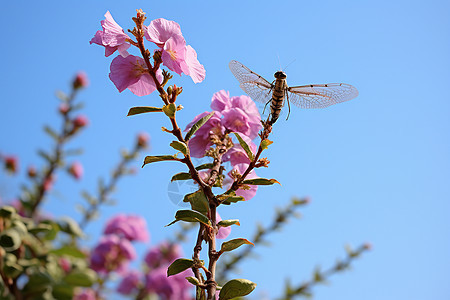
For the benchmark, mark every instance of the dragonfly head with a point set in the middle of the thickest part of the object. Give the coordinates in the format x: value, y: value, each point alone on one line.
x: 280, y: 75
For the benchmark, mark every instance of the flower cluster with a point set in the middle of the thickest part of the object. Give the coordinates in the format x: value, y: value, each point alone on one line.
x: 114, y: 251
x: 155, y: 280
x: 135, y: 73
x: 231, y: 114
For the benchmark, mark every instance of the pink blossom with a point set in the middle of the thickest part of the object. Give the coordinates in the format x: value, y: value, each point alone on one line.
x: 65, y: 264
x: 221, y: 101
x: 48, y: 183
x: 249, y: 193
x: 130, y: 227
x: 237, y: 154
x: 64, y: 108
x: 112, y: 37
x: 76, y: 170
x: 129, y: 283
x: 80, y: 81
x: 223, y: 232
x: 201, y: 141
x: 160, y: 30
x: 85, y: 294
x: 163, y: 254
x: 176, y: 55
x: 112, y: 254
x: 80, y: 121
x: 132, y: 73
x: 173, y: 287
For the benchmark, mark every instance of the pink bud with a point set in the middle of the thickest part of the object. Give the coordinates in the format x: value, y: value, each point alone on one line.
x: 76, y: 170
x: 64, y: 108
x: 11, y: 163
x: 80, y: 80
x: 80, y: 121
x: 32, y: 171
x: 48, y: 183
x: 367, y: 246
x: 142, y: 140
x: 65, y: 264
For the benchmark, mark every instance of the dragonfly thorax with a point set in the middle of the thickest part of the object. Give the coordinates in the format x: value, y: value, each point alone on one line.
x: 280, y: 75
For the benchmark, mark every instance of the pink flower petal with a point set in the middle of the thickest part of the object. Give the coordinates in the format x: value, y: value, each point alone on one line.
x: 196, y: 70
x: 160, y: 30
x: 174, y: 54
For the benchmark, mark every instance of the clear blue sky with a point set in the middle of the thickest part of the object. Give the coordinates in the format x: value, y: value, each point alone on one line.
x: 376, y: 168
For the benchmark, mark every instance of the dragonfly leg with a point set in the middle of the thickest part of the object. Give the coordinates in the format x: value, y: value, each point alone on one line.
x: 289, y: 105
x: 266, y: 105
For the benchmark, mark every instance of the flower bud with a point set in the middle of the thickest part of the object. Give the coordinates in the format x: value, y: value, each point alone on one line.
x: 31, y: 172
x: 80, y: 81
x: 11, y: 164
x: 64, y: 108
x: 142, y: 140
x: 80, y: 121
x: 76, y: 170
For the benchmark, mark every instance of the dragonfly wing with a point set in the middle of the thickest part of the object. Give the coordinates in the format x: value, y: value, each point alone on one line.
x: 253, y: 84
x: 321, y: 95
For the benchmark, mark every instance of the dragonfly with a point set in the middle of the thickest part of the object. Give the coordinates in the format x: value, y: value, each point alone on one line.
x: 275, y: 93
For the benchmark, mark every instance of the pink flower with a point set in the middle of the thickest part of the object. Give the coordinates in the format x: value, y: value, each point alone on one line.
x: 175, y: 54
x: 237, y: 154
x: 80, y: 121
x: 160, y: 30
x: 112, y: 37
x: 129, y: 283
x: 76, y: 170
x: 132, y: 228
x: 85, y: 294
x: 163, y: 254
x: 48, y: 183
x: 246, y: 193
x: 221, y: 101
x: 173, y: 287
x: 64, y: 108
x: 223, y: 232
x: 132, y: 73
x: 80, y: 81
x: 112, y: 254
x: 201, y: 140
x: 65, y: 264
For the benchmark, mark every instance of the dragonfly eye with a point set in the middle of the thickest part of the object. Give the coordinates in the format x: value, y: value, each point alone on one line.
x: 280, y: 75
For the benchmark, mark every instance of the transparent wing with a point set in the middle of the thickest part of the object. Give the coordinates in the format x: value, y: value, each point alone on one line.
x: 321, y: 95
x: 255, y: 86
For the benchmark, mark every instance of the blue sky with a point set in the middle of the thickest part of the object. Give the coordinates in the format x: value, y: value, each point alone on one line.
x: 376, y: 168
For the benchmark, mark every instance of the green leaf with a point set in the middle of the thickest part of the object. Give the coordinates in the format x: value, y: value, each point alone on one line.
x: 226, y: 223
x: 152, y: 159
x: 181, y: 176
x: 232, y: 199
x: 260, y: 181
x: 7, y: 212
x: 51, y: 132
x: 193, y: 280
x: 62, y: 291
x: 197, y: 126
x: 198, y: 201
x: 180, y: 146
x: 86, y: 277
x: 69, y: 226
x: 143, y: 109
x: 204, y: 166
x: 10, y: 240
x: 233, y: 244
x: 190, y: 216
x: 265, y: 144
x: 70, y: 251
x: 236, y: 288
x: 244, y: 146
x: 170, y: 110
x: 41, y: 228
x: 179, y: 266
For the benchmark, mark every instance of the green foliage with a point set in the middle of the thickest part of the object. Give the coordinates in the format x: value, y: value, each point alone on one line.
x: 236, y: 288
x: 234, y: 244
x: 198, y: 201
x: 190, y: 216
x: 170, y: 110
x: 179, y: 266
x: 226, y: 223
x: 197, y: 126
x: 181, y: 176
x: 260, y: 181
x: 143, y: 109
x: 245, y: 146
x: 152, y: 159
x: 180, y: 146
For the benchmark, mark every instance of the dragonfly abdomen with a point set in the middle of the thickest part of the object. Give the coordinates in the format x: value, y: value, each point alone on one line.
x: 277, y: 99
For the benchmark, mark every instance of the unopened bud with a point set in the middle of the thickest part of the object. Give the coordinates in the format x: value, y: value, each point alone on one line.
x: 142, y: 140
x: 76, y: 170
x: 80, y: 81
x: 80, y: 121
x: 169, y: 90
x: 31, y: 172
x: 11, y: 164
x: 157, y: 56
x: 64, y: 108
